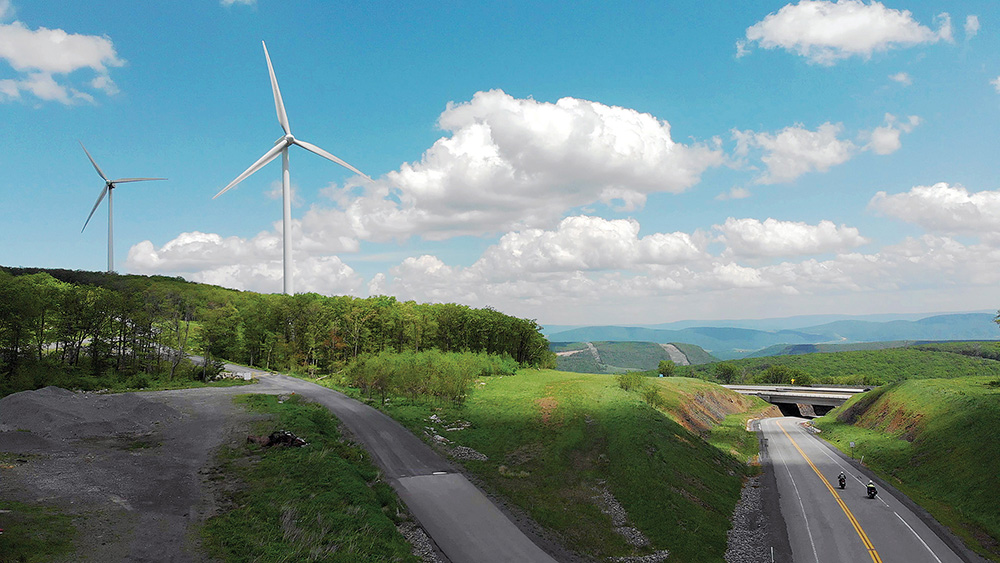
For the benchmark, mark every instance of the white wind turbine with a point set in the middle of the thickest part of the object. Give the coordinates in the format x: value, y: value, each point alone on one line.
x: 281, y: 146
x: 109, y: 186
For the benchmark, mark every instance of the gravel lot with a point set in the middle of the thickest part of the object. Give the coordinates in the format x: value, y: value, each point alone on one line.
x: 130, y: 467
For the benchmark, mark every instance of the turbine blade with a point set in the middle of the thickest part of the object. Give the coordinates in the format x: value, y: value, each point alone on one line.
x: 99, y: 199
x: 268, y: 157
x: 279, y: 106
x: 313, y: 148
x: 123, y: 180
x: 96, y: 167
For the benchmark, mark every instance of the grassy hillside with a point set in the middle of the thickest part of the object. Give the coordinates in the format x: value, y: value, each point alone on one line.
x: 884, y: 365
x: 729, y: 342
x: 936, y: 440
x: 618, y: 357
x: 557, y: 442
x: 722, y: 342
x: 939, y: 327
x: 696, y: 355
x: 799, y: 349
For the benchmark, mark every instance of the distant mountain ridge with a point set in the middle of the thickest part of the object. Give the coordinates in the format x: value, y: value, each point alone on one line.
x: 796, y: 322
x: 737, y: 342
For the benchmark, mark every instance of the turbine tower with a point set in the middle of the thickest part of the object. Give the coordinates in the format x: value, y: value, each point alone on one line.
x: 109, y: 186
x: 281, y: 147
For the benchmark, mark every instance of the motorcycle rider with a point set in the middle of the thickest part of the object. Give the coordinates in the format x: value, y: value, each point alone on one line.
x: 842, y: 479
x: 871, y: 489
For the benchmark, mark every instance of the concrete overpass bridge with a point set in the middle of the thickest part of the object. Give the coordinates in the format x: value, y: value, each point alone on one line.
x: 796, y: 400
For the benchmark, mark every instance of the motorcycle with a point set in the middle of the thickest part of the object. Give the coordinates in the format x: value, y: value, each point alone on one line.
x: 872, y: 492
x: 843, y: 481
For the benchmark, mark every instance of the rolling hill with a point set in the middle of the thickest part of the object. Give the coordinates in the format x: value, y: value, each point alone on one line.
x: 727, y: 342
x: 618, y: 357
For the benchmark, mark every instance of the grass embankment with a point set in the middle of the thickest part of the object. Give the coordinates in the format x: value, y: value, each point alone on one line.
x: 882, y: 365
x: 556, y: 441
x: 321, y: 502
x: 936, y: 440
x: 33, y: 533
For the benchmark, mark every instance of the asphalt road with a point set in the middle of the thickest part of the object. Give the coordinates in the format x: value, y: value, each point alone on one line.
x: 826, y: 524
x: 466, y: 526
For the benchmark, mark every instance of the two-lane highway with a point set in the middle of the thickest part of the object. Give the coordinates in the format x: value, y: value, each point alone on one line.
x: 827, y: 524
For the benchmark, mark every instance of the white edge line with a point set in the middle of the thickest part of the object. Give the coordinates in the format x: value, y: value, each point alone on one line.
x: 837, y: 461
x: 805, y: 517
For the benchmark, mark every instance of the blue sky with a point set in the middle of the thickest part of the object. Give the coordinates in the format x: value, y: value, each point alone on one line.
x: 573, y: 163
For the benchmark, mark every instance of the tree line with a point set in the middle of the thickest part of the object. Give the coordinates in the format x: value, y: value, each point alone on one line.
x: 125, y: 325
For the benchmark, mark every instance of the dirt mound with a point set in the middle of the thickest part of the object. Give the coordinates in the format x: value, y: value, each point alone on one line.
x: 59, y: 414
x: 702, y: 411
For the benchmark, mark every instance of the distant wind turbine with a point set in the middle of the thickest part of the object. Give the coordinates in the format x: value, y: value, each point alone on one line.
x: 109, y: 186
x: 281, y: 146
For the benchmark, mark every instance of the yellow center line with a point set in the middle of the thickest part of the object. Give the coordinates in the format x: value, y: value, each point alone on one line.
x: 857, y: 526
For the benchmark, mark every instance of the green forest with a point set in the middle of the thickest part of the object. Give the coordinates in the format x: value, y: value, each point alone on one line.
x: 86, y: 329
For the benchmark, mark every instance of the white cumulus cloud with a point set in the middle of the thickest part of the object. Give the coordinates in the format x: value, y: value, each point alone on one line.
x: 42, y: 54
x: 794, y: 151
x: 513, y: 163
x: 584, y: 243
x: 826, y: 32
x: 771, y: 238
x: 885, y: 139
x: 944, y: 208
x: 251, y: 264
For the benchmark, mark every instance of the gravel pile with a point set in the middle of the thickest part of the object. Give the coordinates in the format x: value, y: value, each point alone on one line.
x: 60, y: 415
x: 657, y: 557
x: 748, y: 537
x: 464, y: 452
x: 422, y: 546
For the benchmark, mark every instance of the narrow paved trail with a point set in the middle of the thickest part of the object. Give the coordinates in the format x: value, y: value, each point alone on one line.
x: 466, y: 526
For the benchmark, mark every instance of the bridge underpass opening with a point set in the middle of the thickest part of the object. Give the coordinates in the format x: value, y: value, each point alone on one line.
x: 788, y: 409
x: 802, y: 410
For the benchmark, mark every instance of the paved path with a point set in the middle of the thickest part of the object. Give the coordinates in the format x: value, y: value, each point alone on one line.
x: 466, y: 526
x: 826, y: 524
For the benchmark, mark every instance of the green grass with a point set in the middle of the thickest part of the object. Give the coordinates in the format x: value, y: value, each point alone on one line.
x: 33, y: 533
x: 934, y: 439
x: 321, y: 502
x: 889, y: 365
x: 554, y: 439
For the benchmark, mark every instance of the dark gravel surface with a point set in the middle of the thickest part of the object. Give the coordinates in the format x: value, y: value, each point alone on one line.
x: 127, y: 466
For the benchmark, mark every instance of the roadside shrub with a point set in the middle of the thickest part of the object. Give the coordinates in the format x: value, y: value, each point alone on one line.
x: 443, y: 375
x: 137, y: 381
x: 630, y: 381
x: 652, y: 396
